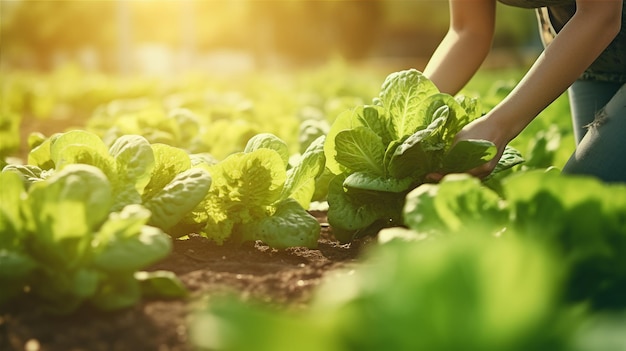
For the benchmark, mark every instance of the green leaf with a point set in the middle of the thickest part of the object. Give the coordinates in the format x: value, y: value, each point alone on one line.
x: 352, y: 211
x: 135, y: 161
x: 79, y: 138
x: 243, y: 186
x: 443, y: 106
x: 368, y: 181
x: 467, y: 154
x: 178, y: 198
x: 71, y: 203
x: 169, y: 162
x: 85, y: 283
x: 420, y: 213
x: 61, y: 290
x: 370, y: 117
x: 15, y: 265
x: 300, y: 181
x: 161, y: 284
x: 268, y: 141
x: 360, y: 149
x: 374, y: 118
x: 40, y: 157
x: 415, y: 156
x: 11, y: 223
x: 345, y: 212
x: 510, y: 158
x: 289, y: 226
x: 467, y: 206
x: 472, y: 106
x: 583, y: 220
x: 249, y: 179
x: 400, y: 95
x: 117, y: 292
x: 415, y: 295
x: 124, y: 243
x: 86, y: 154
x: 28, y: 173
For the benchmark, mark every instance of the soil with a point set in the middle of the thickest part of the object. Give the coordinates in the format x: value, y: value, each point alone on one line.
x: 285, y: 277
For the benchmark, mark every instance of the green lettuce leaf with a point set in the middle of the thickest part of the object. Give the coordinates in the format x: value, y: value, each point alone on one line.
x: 467, y: 154
x: 268, y: 141
x: 160, y: 284
x: 300, y: 182
x: 368, y: 181
x: 134, y: 162
x: 65, y: 209
x: 360, y: 149
x: 40, y: 155
x: 289, y: 226
x: 243, y: 186
x: 125, y: 243
x: 28, y: 173
x: 179, y: 197
x: 11, y: 223
x: 371, y: 117
x: 354, y: 212
x: 401, y: 94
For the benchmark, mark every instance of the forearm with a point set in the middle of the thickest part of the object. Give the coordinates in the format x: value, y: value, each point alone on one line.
x: 578, y: 44
x: 456, y: 60
x: 464, y: 47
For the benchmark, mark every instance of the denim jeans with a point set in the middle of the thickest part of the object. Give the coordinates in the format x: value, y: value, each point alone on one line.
x: 599, y: 118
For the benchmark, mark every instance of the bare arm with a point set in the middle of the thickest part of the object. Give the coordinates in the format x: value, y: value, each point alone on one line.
x: 594, y: 25
x: 465, y: 45
x: 580, y: 42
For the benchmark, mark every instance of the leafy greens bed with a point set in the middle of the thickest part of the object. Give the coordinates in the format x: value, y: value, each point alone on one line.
x: 534, y: 260
x: 527, y: 260
x: 63, y: 246
x: 539, y: 268
x: 80, y: 220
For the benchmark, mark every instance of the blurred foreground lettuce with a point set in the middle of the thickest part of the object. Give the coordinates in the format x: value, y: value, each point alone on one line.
x: 463, y: 293
x: 582, y: 220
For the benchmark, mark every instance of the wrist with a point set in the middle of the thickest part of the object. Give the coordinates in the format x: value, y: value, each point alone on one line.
x: 506, y: 126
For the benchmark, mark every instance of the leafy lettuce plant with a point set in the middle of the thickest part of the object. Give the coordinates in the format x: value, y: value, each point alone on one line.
x: 158, y: 176
x: 257, y: 195
x: 62, y: 247
x: 580, y: 219
x: 380, y: 152
x: 449, y: 295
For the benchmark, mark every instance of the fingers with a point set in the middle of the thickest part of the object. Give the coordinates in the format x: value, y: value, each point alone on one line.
x: 484, y: 170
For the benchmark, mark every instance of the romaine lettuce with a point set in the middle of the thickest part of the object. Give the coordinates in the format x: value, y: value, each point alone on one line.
x: 580, y: 219
x: 158, y: 176
x: 382, y: 151
x: 256, y: 196
x: 62, y: 247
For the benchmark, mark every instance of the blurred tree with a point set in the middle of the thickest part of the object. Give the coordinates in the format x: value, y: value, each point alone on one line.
x: 300, y: 30
x: 45, y: 28
x: 311, y: 30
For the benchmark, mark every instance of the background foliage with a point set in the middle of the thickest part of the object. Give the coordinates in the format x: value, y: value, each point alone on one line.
x: 39, y: 34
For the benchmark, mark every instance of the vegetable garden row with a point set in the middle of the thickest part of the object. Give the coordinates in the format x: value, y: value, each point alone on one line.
x: 527, y: 259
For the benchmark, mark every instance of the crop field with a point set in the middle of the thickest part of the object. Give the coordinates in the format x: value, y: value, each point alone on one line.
x: 292, y: 210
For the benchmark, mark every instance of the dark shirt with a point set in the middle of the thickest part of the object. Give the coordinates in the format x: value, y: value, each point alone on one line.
x: 552, y: 16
